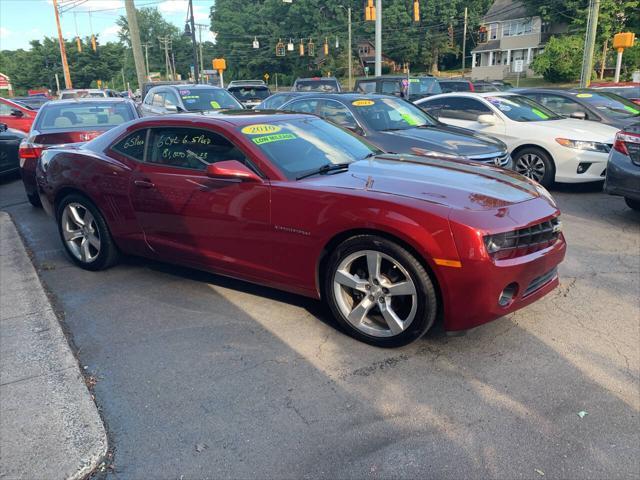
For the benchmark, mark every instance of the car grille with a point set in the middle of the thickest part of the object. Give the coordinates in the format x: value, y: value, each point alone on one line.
x: 524, y: 240
x: 540, y: 281
x: 500, y: 160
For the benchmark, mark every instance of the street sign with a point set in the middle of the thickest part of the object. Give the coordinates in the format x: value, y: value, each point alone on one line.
x: 518, y: 66
x: 266, y: 77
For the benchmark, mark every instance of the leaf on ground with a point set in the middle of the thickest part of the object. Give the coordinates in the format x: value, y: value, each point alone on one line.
x: 201, y: 446
x: 539, y: 472
x: 582, y: 414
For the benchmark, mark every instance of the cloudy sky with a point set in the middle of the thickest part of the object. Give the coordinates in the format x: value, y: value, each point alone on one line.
x: 25, y: 20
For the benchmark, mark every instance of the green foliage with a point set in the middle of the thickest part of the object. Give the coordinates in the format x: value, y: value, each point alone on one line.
x: 559, y: 61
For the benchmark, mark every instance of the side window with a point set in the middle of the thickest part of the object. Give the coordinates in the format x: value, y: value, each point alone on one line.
x: 148, y: 99
x: 170, y: 99
x: 558, y: 104
x: 303, y: 106
x: 463, y: 109
x: 158, y: 100
x: 366, y: 87
x: 433, y: 107
x: 190, y: 148
x: 132, y: 146
x: 5, y: 109
x: 390, y: 88
x: 337, y: 113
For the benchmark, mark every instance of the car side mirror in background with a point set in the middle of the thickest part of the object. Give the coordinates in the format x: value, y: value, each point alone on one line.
x: 232, y: 170
x: 171, y: 108
x: 3, y: 127
x: 578, y: 115
x: 353, y: 128
x: 487, y: 119
x: 16, y: 113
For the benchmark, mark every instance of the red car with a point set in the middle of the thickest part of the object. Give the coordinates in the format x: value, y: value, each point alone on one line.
x: 65, y: 122
x: 16, y: 116
x: 390, y: 242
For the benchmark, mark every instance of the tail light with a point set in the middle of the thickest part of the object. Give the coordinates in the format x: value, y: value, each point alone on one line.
x: 30, y: 150
x: 622, y: 138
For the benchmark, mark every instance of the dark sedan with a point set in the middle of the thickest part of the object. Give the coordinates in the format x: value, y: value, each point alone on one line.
x: 10, y: 139
x: 276, y: 100
x: 397, y: 126
x: 586, y: 104
x: 623, y: 167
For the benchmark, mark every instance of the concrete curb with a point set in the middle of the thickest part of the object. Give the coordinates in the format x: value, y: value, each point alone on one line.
x: 49, y: 425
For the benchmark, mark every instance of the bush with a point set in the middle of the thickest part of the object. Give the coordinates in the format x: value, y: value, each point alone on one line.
x: 561, y: 60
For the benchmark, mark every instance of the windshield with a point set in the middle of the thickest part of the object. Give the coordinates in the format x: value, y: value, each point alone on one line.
x: 383, y: 114
x: 424, y: 86
x: 610, y: 104
x: 83, y: 116
x: 316, y: 86
x: 522, y: 109
x: 303, y: 145
x: 249, y: 93
x: 206, y: 99
x: 455, y: 87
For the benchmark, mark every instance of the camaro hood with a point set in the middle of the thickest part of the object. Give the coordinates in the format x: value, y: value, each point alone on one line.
x: 454, y: 184
x: 443, y: 138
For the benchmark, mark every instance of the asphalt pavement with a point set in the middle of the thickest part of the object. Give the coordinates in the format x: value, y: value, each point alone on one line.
x: 199, y: 376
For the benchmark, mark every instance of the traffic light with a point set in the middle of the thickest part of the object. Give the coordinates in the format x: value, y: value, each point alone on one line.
x: 326, y: 46
x: 301, y: 48
x: 450, y: 31
x: 94, y: 44
x: 416, y: 11
x: 370, y: 11
x: 78, y: 44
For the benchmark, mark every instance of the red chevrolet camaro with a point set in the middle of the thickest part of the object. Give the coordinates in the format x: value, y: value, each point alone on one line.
x: 390, y: 242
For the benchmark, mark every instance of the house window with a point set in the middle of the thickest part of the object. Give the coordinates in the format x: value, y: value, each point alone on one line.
x: 493, y: 31
x: 482, y: 35
x: 517, y: 27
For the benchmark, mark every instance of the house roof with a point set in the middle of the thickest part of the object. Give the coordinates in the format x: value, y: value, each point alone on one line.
x: 502, y: 10
x: 485, y: 47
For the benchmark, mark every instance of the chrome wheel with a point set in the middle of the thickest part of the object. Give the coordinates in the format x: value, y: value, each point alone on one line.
x: 532, y: 166
x: 375, y: 293
x: 80, y: 232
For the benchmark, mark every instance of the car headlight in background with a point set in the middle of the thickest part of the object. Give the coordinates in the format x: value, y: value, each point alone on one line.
x: 584, y: 145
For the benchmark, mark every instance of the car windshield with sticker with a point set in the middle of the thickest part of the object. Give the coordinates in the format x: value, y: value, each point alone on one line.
x: 522, y: 109
x: 610, y: 104
x: 385, y: 114
x: 305, y: 144
x: 207, y: 99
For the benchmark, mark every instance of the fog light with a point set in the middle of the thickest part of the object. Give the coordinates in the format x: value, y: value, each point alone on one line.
x: 583, y: 167
x: 507, y: 295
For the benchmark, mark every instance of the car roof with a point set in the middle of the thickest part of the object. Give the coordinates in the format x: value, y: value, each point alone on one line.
x: 233, y: 117
x: 81, y: 100
x: 247, y: 84
x: 72, y: 90
x: 347, y: 96
x: 190, y: 86
x: 316, y: 78
x: 453, y: 80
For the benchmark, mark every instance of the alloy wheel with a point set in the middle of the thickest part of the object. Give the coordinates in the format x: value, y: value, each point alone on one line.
x: 532, y: 166
x: 375, y: 293
x: 80, y: 232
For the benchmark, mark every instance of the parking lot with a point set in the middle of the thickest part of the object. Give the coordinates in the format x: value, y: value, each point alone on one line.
x: 198, y: 376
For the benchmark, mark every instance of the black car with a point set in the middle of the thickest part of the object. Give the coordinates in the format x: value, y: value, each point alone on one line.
x: 9, y: 143
x: 34, y: 102
x: 249, y: 94
x: 586, y: 104
x: 459, y: 85
x: 411, y: 88
x: 623, y: 167
x: 480, y: 87
x: 397, y: 126
x: 317, y: 84
x: 169, y: 99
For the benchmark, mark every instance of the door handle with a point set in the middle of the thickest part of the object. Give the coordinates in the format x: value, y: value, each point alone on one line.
x: 143, y: 183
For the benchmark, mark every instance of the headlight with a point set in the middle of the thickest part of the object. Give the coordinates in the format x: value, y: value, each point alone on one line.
x: 584, y: 145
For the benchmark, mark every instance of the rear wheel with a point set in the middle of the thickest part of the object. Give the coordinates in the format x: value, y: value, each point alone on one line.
x: 631, y: 203
x: 379, y: 292
x: 84, y: 233
x: 535, y: 164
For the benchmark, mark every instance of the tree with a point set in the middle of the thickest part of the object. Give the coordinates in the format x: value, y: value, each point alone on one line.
x: 559, y: 62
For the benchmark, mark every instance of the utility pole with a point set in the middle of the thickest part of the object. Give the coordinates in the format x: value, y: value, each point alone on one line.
x: 589, y: 44
x: 350, y: 50
x: 63, y: 50
x: 201, y: 27
x: 146, y: 58
x: 604, y: 57
x: 134, y: 36
x: 464, y: 40
x: 196, y: 67
x: 124, y: 84
x: 378, y: 57
x: 165, y: 42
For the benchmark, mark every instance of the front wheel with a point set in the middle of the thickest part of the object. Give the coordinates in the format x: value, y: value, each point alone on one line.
x: 535, y: 164
x: 632, y: 204
x: 379, y: 292
x: 84, y: 233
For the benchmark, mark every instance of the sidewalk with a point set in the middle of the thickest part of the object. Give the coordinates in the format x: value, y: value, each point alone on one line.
x: 49, y: 426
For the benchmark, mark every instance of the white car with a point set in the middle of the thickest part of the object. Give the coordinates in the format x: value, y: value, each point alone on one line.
x: 544, y: 146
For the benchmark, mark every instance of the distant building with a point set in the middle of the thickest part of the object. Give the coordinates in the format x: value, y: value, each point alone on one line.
x: 508, y: 34
x: 367, y: 57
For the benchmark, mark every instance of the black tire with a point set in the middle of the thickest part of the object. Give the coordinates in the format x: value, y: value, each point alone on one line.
x: 34, y: 199
x: 108, y: 253
x: 632, y: 204
x: 427, y: 300
x: 522, y: 162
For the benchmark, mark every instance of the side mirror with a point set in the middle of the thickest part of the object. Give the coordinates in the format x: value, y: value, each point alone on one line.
x: 487, y: 119
x: 16, y: 113
x: 3, y: 127
x: 171, y: 108
x: 578, y: 115
x: 232, y: 170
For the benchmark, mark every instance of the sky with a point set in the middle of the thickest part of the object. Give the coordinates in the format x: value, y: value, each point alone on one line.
x: 25, y: 20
